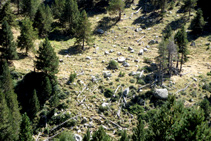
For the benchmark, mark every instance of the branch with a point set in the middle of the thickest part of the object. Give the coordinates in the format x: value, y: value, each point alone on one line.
x: 140, y: 38
x: 183, y: 89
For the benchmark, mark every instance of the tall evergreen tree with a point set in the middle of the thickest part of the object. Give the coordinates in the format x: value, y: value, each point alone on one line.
x: 7, y: 42
x: 46, y: 89
x: 29, y: 7
x: 26, y: 129
x: 124, y: 136
x: 57, y: 8
x: 116, y: 5
x: 5, y: 126
x: 198, y: 22
x: 43, y: 20
x: 6, y: 84
x: 84, y: 33
x: 47, y: 61
x: 139, y: 132
x: 70, y: 16
x: 87, y: 136
x: 100, y: 135
x: 189, y: 5
x: 35, y: 105
x: 28, y: 35
x: 6, y: 14
x: 181, y: 41
x: 167, y: 32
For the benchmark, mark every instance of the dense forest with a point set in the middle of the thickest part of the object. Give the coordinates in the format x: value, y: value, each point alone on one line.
x: 103, y: 70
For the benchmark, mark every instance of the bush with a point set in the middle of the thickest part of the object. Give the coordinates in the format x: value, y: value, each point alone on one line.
x: 103, y: 109
x: 113, y: 64
x: 72, y: 77
x: 141, y: 82
x: 121, y: 74
x: 171, y: 5
x: 108, y: 92
x: 136, y: 109
x: 132, y: 80
x: 209, y: 74
x: 147, y: 60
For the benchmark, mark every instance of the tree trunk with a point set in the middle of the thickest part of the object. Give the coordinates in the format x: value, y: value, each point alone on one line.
x: 83, y: 45
x: 177, y: 61
x: 181, y: 62
x: 120, y: 14
x: 18, y: 5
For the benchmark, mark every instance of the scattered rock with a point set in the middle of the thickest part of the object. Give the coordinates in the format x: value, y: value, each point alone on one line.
x: 207, y: 44
x: 121, y: 59
x: 138, y: 29
x: 84, y: 120
x: 61, y: 60
x: 151, y: 42
x: 105, y: 104
x: 132, y: 51
x: 130, y: 48
x: 88, y: 58
x: 161, y: 93
x: 147, y: 46
x: 141, y: 52
x: 126, y: 91
x: 119, y: 53
x: 111, y: 51
x: 145, y: 49
x: 106, y: 53
x: 106, y: 74
x: 125, y: 64
x: 195, y: 79
x: 77, y: 137
x: 193, y: 44
x: 103, y: 61
x: 100, y: 31
x: 136, y: 60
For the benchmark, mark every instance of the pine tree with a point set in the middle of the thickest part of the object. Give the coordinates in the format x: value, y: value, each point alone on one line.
x: 47, y: 61
x: 6, y: 84
x: 167, y: 32
x: 181, y: 41
x: 124, y: 136
x: 100, y: 135
x: 57, y: 8
x: 28, y: 35
x: 139, y: 132
x: 7, y: 42
x: 70, y: 16
x: 54, y: 101
x: 198, y: 22
x: 43, y: 20
x: 35, y: 105
x: 46, y: 89
x: 29, y: 7
x: 189, y: 5
x: 5, y: 126
x: 87, y: 136
x: 84, y: 33
x: 26, y: 129
x: 116, y: 5
x: 6, y: 14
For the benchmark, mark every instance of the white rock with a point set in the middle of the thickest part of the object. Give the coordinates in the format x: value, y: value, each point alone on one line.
x: 121, y: 59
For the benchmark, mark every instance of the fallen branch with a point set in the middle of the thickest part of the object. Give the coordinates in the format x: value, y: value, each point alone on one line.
x: 81, y: 92
x: 185, y: 73
x: 116, y: 90
x: 140, y: 38
x: 82, y: 101
x: 137, y: 10
x: 112, y: 122
x: 53, y: 136
x: 62, y: 123
x: 183, y: 89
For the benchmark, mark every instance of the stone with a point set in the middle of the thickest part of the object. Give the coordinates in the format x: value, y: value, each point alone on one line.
x: 114, y: 46
x: 195, y: 79
x: 84, y: 120
x: 106, y: 53
x: 147, y: 46
x: 119, y: 53
x: 103, y: 61
x: 125, y: 64
x: 145, y: 49
x: 138, y: 29
x: 121, y: 59
x: 136, y: 60
x: 94, y: 46
x: 77, y: 137
x: 105, y: 104
x: 133, y: 73
x: 141, y: 52
x: 161, y: 93
x: 106, y: 74
x: 100, y: 31
x: 61, y: 60
x: 151, y: 42
x: 170, y: 12
x: 193, y: 44
x: 88, y: 58
x: 207, y: 44
x: 111, y: 51
x: 132, y: 51
x: 130, y: 48
x: 126, y: 91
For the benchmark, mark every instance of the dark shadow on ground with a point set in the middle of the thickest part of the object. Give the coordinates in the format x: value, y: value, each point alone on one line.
x: 105, y: 24
x: 21, y: 56
x: 146, y: 22
x: 71, y: 50
x: 97, y: 9
x: 177, y: 23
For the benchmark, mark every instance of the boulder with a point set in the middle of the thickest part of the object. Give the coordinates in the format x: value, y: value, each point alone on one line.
x: 130, y: 48
x: 105, y: 104
x: 151, y: 42
x: 138, y: 29
x: 161, y: 93
x: 141, y: 52
x: 207, y: 44
x: 125, y: 64
x: 106, y: 74
x: 147, y: 46
x: 132, y: 51
x: 100, y: 31
x: 106, y: 53
x: 88, y: 58
x: 119, y: 53
x: 126, y: 91
x: 121, y: 59
x: 193, y: 44
x: 77, y: 137
x: 145, y: 49
x: 61, y: 60
x: 111, y: 51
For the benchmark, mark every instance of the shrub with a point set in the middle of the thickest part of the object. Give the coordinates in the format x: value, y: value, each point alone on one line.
x: 140, y: 81
x: 113, y: 64
x: 147, y: 60
x: 108, y: 92
x: 132, y: 80
x: 209, y: 74
x: 72, y: 77
x: 103, y: 108
x: 136, y: 109
x: 121, y: 74
x: 172, y: 5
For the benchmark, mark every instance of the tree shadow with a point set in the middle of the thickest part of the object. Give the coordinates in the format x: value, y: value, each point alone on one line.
x: 105, y: 24
x: 177, y: 23
x: 73, y: 50
x: 148, y: 21
x: 22, y: 56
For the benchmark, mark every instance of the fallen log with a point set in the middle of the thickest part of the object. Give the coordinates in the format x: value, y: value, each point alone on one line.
x: 183, y: 88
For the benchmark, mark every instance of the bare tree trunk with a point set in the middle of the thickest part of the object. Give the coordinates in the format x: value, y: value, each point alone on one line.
x: 120, y: 14
x: 181, y: 63
x: 83, y: 44
x: 177, y: 61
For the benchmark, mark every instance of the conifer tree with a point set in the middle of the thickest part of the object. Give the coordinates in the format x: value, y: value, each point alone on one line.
x: 124, y: 136
x: 35, y: 105
x: 84, y: 33
x: 167, y: 32
x: 189, y: 5
x: 7, y: 42
x: 139, y: 132
x: 43, y: 20
x: 70, y: 16
x: 27, y: 37
x: 29, y: 7
x: 116, y: 5
x: 198, y: 22
x: 100, y: 135
x: 6, y: 84
x: 87, y: 136
x: 6, y: 14
x: 181, y: 41
x: 57, y: 8
x: 54, y: 101
x: 46, y: 89
x: 47, y: 61
x: 5, y: 126
x: 26, y: 129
